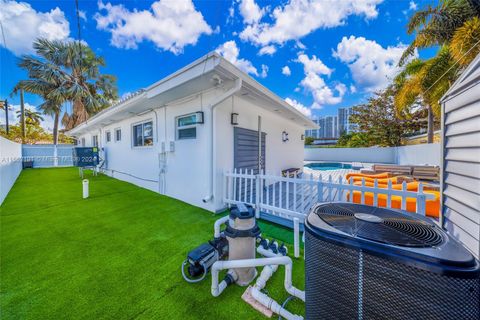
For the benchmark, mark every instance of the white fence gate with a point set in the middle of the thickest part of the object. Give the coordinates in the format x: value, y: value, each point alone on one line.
x: 290, y: 197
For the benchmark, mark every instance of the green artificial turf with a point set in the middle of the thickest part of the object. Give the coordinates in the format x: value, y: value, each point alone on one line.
x: 116, y: 255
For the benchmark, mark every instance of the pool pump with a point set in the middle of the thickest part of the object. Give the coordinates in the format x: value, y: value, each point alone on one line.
x: 235, y: 250
x: 200, y: 259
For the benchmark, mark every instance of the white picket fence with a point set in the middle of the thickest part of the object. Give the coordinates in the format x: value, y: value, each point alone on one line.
x: 290, y: 197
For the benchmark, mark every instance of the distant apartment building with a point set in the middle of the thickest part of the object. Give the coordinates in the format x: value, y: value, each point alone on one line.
x: 344, y: 124
x: 331, y: 127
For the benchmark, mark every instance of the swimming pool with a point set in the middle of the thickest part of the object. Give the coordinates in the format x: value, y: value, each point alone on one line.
x: 324, y: 166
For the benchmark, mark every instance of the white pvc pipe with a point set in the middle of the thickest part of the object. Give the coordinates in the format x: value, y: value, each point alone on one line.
x: 217, y: 225
x: 85, y: 189
x: 250, y: 263
x: 273, y: 305
x: 236, y: 88
x: 296, y: 236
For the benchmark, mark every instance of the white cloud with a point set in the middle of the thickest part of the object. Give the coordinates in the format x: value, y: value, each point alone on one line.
x: 264, y: 72
x: 298, y: 18
x: 82, y: 14
x: 250, y: 11
x: 22, y: 25
x: 412, y: 6
x: 313, y: 82
x: 372, y: 66
x: 286, y: 71
x: 170, y: 25
x: 230, y: 51
x: 47, y: 122
x: 270, y: 50
x: 300, y: 107
x: 353, y: 89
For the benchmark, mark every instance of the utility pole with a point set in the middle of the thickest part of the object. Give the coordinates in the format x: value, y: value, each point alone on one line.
x: 22, y: 116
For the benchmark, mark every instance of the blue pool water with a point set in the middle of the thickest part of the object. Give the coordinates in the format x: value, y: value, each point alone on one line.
x: 323, y: 166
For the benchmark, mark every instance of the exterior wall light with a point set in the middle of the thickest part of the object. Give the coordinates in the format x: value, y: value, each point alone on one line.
x: 199, y: 116
x: 285, y: 136
x: 234, y: 119
x: 302, y: 137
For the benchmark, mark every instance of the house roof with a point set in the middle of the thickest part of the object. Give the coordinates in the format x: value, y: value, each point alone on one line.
x: 200, y: 75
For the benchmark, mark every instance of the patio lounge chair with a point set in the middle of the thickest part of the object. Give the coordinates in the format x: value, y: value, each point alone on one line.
x: 393, y: 169
x: 432, y: 206
x: 426, y: 172
x: 291, y: 172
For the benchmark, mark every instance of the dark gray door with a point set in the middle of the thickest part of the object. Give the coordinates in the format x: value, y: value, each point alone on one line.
x: 245, y: 151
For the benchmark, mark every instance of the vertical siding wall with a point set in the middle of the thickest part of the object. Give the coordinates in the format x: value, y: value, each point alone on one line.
x: 461, y: 166
x: 10, y: 165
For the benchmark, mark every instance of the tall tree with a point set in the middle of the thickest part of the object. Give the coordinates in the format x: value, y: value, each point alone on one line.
x: 378, y: 121
x: 67, y: 71
x: 437, y: 25
x: 31, y: 117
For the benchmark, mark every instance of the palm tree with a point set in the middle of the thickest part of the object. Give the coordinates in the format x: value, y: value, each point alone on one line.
x: 63, y: 72
x: 31, y: 117
x: 437, y: 26
x: 423, y: 83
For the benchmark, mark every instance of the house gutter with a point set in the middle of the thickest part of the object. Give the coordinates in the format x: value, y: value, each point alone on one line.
x: 236, y: 88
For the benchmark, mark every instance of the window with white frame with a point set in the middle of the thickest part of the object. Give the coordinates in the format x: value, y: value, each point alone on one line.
x: 118, y: 134
x: 95, y: 141
x: 108, y: 136
x: 187, y: 126
x: 142, y: 134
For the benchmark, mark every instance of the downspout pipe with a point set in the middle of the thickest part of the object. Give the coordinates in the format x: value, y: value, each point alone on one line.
x: 235, y: 89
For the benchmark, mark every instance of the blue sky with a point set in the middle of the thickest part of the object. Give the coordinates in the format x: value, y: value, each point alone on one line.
x: 320, y: 55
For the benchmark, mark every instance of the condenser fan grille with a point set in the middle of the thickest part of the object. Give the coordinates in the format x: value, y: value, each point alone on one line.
x: 380, y: 224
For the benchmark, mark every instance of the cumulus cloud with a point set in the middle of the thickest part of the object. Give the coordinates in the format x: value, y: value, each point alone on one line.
x: 230, y: 51
x: 22, y: 25
x: 270, y: 50
x: 170, y: 25
x: 46, y: 124
x: 298, y: 18
x: 250, y: 11
x: 372, y: 66
x: 286, y: 71
x: 300, y: 107
x: 315, y: 84
x: 412, y: 5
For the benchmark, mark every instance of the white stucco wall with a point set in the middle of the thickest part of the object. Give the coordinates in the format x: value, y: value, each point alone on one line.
x: 419, y: 154
x: 405, y: 155
x: 279, y: 155
x: 10, y: 165
x: 188, y: 166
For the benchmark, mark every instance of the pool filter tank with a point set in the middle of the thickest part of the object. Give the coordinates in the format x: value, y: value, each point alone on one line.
x: 241, y: 232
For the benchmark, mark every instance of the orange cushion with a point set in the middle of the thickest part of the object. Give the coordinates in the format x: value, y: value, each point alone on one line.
x: 411, y: 186
x: 357, y: 174
x: 432, y: 206
x: 381, y: 180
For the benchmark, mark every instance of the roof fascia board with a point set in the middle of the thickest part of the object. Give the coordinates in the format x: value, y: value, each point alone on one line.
x: 263, y: 90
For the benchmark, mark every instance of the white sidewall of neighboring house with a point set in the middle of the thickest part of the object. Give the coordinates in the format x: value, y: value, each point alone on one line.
x: 10, y: 165
x: 279, y: 155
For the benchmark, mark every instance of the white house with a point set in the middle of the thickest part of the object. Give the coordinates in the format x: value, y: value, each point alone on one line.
x: 179, y: 135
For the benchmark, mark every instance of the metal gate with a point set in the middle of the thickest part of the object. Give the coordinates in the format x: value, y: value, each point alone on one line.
x: 245, y: 152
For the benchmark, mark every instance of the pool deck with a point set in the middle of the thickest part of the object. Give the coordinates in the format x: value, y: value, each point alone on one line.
x: 304, y: 201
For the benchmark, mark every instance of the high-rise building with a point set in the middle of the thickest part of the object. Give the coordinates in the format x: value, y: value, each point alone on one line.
x: 344, y: 123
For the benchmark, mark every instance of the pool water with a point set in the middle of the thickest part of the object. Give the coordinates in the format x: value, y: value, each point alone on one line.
x: 324, y: 166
